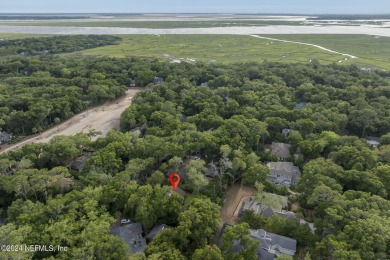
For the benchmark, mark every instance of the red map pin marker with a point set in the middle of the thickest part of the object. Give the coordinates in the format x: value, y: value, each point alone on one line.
x: 174, y: 178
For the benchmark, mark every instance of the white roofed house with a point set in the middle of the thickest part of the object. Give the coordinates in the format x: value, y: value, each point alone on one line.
x: 283, y: 173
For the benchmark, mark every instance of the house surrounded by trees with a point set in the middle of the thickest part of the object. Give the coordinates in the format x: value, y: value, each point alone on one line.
x: 283, y: 173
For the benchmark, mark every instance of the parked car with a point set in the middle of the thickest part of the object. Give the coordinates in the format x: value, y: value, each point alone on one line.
x: 125, y: 221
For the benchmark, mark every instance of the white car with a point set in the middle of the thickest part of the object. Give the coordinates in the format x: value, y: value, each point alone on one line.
x: 125, y: 221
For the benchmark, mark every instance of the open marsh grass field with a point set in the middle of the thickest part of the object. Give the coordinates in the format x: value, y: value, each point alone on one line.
x: 371, y: 51
x: 214, y: 48
x: 11, y: 36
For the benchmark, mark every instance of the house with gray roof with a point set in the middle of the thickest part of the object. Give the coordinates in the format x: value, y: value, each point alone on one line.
x: 277, y: 209
x: 267, y: 211
x: 280, y: 150
x: 283, y: 173
x: 373, y: 141
x: 273, y: 245
x: 183, y: 118
x: 5, y: 137
x: 300, y: 105
x: 132, y: 235
x: 78, y: 163
x: 140, y: 130
x: 157, y: 80
x: 136, y: 130
x: 310, y: 224
x: 212, y: 170
x: 257, y: 208
x: 179, y: 192
x: 251, y: 203
x: 156, y: 230
x: 289, y: 215
x: 182, y: 171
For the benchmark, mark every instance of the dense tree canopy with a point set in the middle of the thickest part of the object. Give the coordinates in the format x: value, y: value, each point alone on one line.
x: 221, y: 130
x: 55, y: 44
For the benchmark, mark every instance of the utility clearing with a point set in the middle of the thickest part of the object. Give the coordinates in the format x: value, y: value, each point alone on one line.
x: 102, y: 119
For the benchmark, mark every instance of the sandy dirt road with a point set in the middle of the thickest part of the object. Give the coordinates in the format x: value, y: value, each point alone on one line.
x: 102, y: 118
x: 308, y: 44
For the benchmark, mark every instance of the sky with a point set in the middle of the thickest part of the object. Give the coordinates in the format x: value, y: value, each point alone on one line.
x: 197, y: 6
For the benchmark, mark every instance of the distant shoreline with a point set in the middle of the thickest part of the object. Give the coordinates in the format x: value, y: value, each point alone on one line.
x: 272, y: 29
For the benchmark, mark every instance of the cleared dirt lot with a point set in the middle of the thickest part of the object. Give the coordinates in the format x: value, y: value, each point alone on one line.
x: 232, y: 204
x: 102, y: 118
x: 235, y: 195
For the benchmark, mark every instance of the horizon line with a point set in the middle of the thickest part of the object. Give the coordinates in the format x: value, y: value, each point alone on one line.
x: 224, y: 13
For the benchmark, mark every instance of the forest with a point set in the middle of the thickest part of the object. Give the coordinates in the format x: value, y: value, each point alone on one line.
x: 40, y: 17
x: 345, y: 182
x: 39, y: 92
x: 55, y: 44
